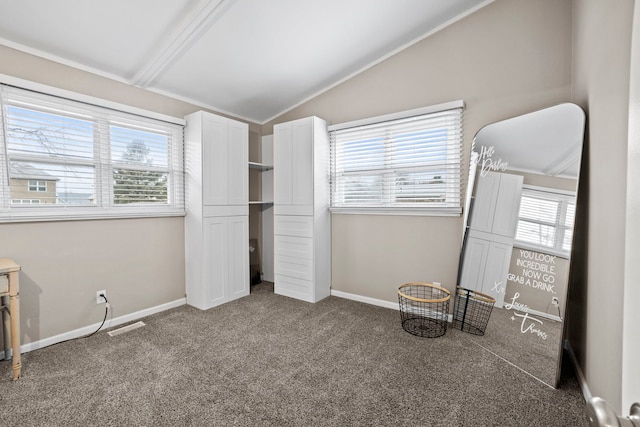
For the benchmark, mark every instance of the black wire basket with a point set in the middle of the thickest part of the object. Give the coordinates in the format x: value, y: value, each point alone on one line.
x: 424, y: 309
x: 472, y: 310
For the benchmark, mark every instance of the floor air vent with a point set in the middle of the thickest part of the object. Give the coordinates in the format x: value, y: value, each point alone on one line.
x: 127, y: 328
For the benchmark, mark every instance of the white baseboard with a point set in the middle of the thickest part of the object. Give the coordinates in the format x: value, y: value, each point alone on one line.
x: 366, y: 300
x: 581, y: 379
x: 76, y: 333
x: 373, y: 301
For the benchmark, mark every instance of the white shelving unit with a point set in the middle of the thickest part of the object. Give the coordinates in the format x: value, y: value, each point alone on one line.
x: 262, y: 168
x: 302, y: 223
x: 216, y: 223
x: 261, y: 207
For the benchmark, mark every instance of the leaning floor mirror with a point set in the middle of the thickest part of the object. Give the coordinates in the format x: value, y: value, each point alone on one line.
x: 518, y: 233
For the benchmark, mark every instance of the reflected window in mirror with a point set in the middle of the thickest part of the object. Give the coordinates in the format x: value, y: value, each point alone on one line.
x: 545, y: 220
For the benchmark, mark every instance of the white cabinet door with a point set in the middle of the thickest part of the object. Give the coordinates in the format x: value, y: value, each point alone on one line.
x: 302, y: 163
x: 226, y: 259
x: 238, y: 156
x: 215, y: 260
x: 282, y: 171
x: 225, y: 148
x: 293, y: 163
x: 238, y: 262
x: 215, y: 165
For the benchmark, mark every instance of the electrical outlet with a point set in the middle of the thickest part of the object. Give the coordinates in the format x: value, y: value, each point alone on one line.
x: 99, y: 298
x: 554, y: 301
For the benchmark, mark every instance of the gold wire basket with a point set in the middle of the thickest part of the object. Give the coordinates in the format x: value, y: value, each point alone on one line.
x: 424, y: 309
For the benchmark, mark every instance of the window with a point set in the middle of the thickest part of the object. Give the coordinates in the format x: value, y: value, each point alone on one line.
x: 25, y: 201
x: 407, y: 163
x: 545, y: 220
x: 40, y: 186
x: 86, y: 161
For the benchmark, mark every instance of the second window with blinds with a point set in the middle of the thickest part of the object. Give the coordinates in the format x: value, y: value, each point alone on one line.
x: 404, y: 163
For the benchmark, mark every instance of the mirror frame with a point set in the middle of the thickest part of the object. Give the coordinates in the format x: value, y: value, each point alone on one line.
x: 481, y: 160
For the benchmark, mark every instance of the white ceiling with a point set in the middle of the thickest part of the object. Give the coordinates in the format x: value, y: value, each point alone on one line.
x: 253, y: 59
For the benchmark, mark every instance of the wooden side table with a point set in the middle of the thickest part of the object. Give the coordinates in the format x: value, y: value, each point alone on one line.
x: 10, y: 269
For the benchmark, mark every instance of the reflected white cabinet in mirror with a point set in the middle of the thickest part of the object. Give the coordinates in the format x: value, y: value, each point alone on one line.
x: 517, y: 243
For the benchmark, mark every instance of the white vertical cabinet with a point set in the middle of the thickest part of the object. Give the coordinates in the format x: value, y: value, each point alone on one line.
x: 226, y: 146
x: 217, y: 222
x: 294, y: 145
x: 302, y: 223
x: 492, y: 227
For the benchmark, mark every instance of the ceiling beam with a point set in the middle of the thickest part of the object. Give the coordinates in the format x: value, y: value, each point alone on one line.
x: 199, y: 19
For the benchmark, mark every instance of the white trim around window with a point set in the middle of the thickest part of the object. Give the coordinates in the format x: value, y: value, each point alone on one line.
x: 100, y: 161
x: 406, y: 163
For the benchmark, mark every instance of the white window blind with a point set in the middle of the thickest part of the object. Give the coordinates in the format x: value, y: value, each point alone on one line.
x: 545, y: 220
x: 408, y: 165
x: 76, y: 160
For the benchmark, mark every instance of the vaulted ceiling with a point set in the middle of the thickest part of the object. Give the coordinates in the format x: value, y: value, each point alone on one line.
x: 253, y: 59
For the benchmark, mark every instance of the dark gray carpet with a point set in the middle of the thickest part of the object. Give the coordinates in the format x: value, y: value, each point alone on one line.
x: 268, y: 360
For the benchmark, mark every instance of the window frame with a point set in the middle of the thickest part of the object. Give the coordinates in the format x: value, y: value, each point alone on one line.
x: 37, y: 186
x: 565, y: 198
x: 103, y: 181
x: 390, y: 172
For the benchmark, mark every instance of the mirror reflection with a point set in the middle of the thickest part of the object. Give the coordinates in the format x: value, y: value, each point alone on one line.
x: 517, y: 241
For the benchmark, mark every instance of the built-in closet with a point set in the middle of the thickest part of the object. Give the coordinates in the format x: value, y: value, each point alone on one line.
x: 302, y: 223
x: 216, y: 221
x: 257, y: 209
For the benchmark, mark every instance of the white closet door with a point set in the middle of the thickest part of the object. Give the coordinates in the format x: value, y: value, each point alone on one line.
x: 302, y: 163
x: 282, y: 164
x: 215, y: 260
x: 238, y: 156
x: 238, y: 249
x: 215, y: 165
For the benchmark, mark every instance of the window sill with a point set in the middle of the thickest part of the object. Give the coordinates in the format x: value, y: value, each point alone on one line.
x: 445, y: 212
x: 30, y: 215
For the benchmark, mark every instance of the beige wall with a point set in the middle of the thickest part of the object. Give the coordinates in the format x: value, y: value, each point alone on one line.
x: 602, y: 48
x: 139, y: 262
x: 509, y: 58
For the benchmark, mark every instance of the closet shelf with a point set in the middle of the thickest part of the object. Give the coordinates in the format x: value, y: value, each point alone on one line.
x: 260, y: 166
x: 259, y: 202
